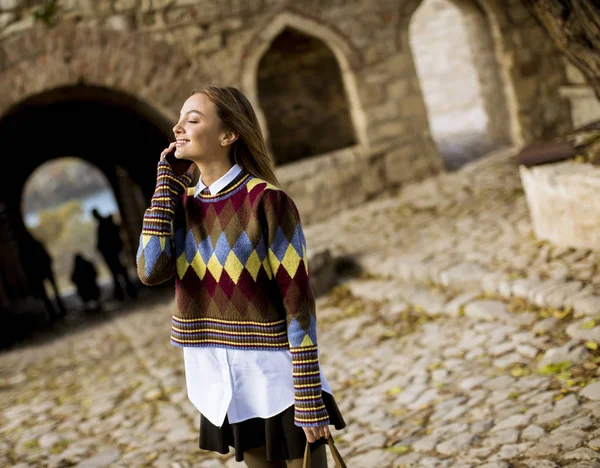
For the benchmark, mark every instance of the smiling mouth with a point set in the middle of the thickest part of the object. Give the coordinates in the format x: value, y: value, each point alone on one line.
x: 180, y: 143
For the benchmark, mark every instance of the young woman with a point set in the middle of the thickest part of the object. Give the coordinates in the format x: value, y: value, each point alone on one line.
x: 245, y: 309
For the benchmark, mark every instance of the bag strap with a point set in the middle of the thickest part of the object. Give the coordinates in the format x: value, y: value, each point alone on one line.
x: 307, y: 460
x: 339, y: 462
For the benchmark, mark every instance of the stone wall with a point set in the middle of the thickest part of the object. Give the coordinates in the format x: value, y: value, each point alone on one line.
x: 533, y: 72
x: 585, y: 106
x: 158, y: 50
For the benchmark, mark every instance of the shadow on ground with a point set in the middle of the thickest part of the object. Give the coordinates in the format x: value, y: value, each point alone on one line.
x: 34, y: 328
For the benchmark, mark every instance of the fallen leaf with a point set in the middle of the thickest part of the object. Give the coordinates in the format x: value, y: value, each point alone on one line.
x: 560, y: 315
x: 588, y: 325
x: 398, y: 449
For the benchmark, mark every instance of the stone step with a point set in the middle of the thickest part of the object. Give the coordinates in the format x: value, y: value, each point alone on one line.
x: 472, y: 278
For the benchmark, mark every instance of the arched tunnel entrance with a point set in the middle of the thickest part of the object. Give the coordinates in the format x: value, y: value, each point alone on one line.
x: 116, y: 132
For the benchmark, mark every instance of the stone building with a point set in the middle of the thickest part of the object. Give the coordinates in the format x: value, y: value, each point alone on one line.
x: 335, y: 83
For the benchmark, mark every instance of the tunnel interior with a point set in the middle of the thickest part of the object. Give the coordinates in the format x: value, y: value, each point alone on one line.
x: 119, y: 134
x: 103, y: 127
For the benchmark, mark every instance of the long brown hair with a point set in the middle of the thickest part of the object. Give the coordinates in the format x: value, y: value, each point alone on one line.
x: 249, y: 151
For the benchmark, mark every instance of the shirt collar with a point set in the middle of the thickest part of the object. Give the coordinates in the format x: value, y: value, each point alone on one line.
x: 220, y: 183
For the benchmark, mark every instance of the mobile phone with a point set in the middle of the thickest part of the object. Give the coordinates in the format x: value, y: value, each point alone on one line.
x: 179, y: 166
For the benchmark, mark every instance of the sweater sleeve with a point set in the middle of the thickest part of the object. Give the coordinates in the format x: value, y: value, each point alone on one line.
x: 156, y: 256
x: 287, y: 259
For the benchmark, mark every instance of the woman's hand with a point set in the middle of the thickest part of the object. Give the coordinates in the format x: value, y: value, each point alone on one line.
x: 315, y: 433
x: 179, y: 167
x: 167, y: 150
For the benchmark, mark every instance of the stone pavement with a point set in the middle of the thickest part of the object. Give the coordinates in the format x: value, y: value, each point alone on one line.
x: 466, y: 230
x: 448, y: 351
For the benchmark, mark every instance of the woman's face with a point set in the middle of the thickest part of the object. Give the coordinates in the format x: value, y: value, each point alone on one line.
x: 199, y: 132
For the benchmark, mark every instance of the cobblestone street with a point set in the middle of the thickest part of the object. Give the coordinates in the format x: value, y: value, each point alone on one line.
x: 464, y: 343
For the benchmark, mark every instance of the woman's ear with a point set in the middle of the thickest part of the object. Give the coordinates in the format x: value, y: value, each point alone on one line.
x: 229, y: 138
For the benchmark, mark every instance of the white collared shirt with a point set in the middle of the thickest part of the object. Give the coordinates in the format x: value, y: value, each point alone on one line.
x: 241, y: 384
x: 220, y: 183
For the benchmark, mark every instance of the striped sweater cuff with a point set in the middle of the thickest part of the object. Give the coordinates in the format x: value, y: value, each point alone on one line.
x: 169, y: 188
x: 309, y: 407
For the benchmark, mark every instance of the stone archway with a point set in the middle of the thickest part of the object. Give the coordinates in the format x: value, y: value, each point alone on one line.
x: 460, y: 79
x: 302, y: 95
x: 346, y: 55
x: 106, y: 96
x: 41, y: 59
x: 115, y: 132
x: 530, y: 68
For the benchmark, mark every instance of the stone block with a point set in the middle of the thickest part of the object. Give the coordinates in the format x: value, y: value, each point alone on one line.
x: 387, y: 130
x: 398, y: 165
x: 6, y: 19
x: 585, y: 107
x: 563, y: 203
x: 10, y: 4
x: 119, y: 22
x: 391, y: 109
x: 210, y: 44
x: 125, y: 5
x: 398, y: 89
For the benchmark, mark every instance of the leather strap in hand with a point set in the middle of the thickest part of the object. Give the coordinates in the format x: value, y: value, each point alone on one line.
x: 339, y: 462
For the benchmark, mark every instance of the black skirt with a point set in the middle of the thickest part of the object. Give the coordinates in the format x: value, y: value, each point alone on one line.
x: 282, y: 439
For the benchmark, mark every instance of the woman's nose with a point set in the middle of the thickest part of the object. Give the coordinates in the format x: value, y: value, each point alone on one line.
x: 177, y: 129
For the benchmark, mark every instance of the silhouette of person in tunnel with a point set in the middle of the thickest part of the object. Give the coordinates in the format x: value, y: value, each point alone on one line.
x: 110, y: 246
x: 37, y: 265
x: 84, y: 277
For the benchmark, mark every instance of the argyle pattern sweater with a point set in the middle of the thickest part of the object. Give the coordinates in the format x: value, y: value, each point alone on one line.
x: 241, y: 274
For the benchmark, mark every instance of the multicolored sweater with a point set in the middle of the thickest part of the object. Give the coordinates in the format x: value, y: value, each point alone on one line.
x: 241, y: 274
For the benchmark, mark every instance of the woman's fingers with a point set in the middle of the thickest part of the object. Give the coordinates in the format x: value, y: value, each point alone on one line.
x: 309, y: 435
x: 167, y: 150
x: 315, y: 433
